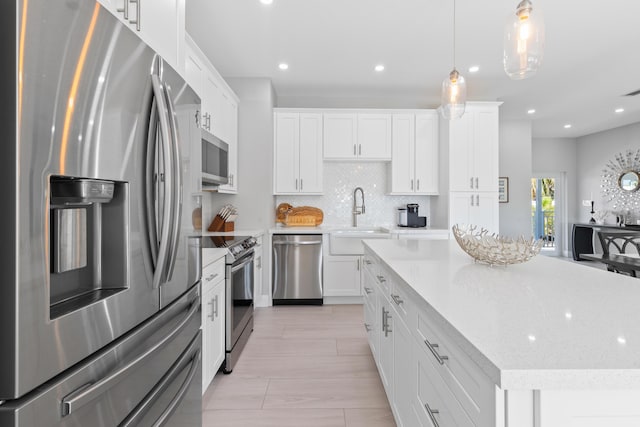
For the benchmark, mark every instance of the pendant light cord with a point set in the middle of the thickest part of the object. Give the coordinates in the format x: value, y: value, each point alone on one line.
x: 454, y: 34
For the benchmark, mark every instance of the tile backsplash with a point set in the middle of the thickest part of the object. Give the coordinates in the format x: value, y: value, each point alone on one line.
x: 340, y: 179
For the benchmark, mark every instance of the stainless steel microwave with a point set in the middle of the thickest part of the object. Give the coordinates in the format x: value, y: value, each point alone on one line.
x: 215, y: 160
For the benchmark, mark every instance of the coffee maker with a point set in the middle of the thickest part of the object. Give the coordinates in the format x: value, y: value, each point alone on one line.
x: 408, y: 217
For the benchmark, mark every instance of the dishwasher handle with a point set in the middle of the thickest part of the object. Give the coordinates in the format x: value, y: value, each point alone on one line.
x: 306, y: 243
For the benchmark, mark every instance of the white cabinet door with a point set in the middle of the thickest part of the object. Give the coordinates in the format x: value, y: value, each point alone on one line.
x: 212, y: 104
x: 426, y: 154
x: 374, y: 136
x: 461, y: 154
x: 403, y: 158
x: 340, y: 133
x: 486, y: 156
x: 157, y: 23
x: 404, y: 377
x: 228, y: 128
x: 474, y: 150
x: 385, y: 361
x: 194, y: 71
x: 372, y: 326
x: 342, y: 276
x: 208, y: 339
x: 286, y: 155
x: 310, y: 153
x: 297, y: 153
x: 480, y: 209
x: 257, y: 270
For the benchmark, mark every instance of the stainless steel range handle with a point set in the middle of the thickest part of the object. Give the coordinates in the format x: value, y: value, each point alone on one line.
x: 143, y: 407
x: 176, y: 194
x: 242, y: 264
x: 168, y: 180
x: 91, y: 391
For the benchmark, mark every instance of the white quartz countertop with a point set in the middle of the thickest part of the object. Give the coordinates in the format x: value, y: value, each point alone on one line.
x: 324, y: 229
x: 544, y: 324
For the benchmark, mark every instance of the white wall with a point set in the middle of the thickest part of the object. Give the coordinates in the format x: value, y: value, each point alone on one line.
x: 515, y: 163
x: 593, y: 153
x: 254, y: 200
x: 340, y: 179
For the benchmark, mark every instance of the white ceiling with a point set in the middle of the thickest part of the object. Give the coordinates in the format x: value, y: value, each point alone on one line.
x: 591, y: 59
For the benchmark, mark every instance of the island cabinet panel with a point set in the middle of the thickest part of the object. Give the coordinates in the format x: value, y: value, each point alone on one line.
x: 429, y: 380
x: 588, y: 408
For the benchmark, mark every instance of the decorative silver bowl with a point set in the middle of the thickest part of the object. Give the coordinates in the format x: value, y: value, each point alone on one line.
x: 493, y: 249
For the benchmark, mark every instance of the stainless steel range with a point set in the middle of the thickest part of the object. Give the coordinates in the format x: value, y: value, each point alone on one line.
x: 239, y: 293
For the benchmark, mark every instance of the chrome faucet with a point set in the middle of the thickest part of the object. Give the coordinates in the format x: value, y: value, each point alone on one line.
x: 357, y: 210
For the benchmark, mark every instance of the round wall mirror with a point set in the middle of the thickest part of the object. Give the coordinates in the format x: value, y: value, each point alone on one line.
x: 629, y: 181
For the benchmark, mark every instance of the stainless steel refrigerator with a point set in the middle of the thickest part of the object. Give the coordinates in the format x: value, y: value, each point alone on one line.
x: 99, y: 274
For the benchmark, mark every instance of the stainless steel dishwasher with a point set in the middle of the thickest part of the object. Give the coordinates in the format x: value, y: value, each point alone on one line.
x: 297, y: 269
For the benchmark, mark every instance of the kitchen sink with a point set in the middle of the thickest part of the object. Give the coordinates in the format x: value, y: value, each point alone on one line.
x: 348, y: 241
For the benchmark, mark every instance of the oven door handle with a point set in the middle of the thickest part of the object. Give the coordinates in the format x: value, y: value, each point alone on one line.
x: 242, y: 264
x: 193, y: 358
x: 88, y: 392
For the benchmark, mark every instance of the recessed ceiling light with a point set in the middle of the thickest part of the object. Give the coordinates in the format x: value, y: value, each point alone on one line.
x: 531, y: 111
x: 619, y: 110
x: 474, y: 69
x: 283, y: 66
x: 379, y: 68
x: 567, y: 126
x: 266, y: 1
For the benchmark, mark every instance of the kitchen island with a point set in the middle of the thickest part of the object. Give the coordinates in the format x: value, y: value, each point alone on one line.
x: 544, y: 343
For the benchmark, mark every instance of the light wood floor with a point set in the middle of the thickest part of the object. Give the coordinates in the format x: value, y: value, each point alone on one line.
x: 303, y: 366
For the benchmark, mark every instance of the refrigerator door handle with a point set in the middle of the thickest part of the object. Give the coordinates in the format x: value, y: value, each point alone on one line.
x: 168, y: 180
x: 176, y: 194
x: 151, y: 184
x: 91, y: 391
x: 134, y: 417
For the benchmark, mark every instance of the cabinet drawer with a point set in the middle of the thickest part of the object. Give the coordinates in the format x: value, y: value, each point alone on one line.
x: 210, y: 255
x: 383, y: 279
x: 460, y: 376
x: 369, y: 288
x: 212, y: 274
x: 401, y: 302
x: 433, y: 400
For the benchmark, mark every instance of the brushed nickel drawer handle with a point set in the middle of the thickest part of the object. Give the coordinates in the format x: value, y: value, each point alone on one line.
x: 367, y: 327
x: 211, y: 277
x: 432, y: 414
x: 368, y: 290
x: 434, y: 351
x: 397, y: 299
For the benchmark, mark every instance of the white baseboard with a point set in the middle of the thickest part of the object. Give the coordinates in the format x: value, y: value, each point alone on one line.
x: 342, y: 300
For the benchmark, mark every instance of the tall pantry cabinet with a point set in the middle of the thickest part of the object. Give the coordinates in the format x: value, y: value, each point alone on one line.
x: 472, y: 143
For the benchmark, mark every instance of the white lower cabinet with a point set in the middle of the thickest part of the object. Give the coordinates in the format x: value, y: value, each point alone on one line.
x: 429, y: 382
x: 342, y: 276
x: 213, y: 318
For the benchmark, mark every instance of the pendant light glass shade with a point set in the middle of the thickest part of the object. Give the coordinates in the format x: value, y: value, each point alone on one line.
x: 523, y: 41
x: 454, y: 88
x: 454, y: 96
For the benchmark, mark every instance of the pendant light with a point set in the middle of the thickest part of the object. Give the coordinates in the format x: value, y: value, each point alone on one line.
x: 454, y: 88
x: 523, y: 41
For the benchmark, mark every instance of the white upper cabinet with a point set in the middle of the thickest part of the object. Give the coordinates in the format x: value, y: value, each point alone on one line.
x: 374, y: 136
x: 340, y: 136
x: 297, y: 153
x: 219, y: 113
x: 349, y: 136
x: 160, y: 23
x: 414, y: 164
x: 473, y: 156
x: 475, y: 208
